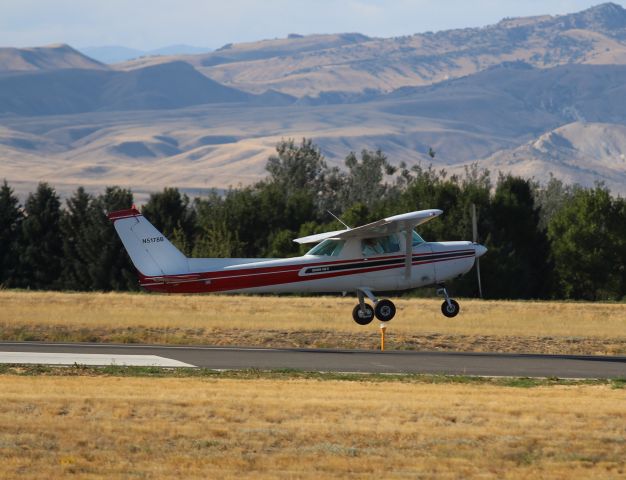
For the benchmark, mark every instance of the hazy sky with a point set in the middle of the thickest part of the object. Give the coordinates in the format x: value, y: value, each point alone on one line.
x: 147, y: 24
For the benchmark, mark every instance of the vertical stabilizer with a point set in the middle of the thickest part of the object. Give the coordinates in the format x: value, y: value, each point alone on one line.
x: 151, y: 253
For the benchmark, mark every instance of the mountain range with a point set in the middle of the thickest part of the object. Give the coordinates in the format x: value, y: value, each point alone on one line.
x: 118, y: 53
x: 535, y: 96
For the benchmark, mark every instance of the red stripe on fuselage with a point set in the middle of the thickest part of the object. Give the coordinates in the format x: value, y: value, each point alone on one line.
x: 296, y: 267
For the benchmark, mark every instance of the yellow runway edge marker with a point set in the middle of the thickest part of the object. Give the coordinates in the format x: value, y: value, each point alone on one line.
x: 383, y: 327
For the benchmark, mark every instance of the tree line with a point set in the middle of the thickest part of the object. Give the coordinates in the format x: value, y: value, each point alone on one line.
x: 544, y: 241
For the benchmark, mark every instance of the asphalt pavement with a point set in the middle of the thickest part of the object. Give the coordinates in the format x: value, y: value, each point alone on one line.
x: 361, y: 361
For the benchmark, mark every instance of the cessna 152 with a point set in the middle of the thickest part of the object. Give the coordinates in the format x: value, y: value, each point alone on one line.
x: 383, y: 256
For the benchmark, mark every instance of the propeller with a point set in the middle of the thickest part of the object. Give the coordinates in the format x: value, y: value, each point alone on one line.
x: 475, y: 240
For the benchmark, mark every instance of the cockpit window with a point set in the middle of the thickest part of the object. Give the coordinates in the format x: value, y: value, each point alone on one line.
x: 328, y: 247
x: 417, y: 239
x: 378, y: 245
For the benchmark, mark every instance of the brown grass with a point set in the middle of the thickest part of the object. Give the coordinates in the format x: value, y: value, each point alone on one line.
x: 538, y: 327
x: 95, y: 427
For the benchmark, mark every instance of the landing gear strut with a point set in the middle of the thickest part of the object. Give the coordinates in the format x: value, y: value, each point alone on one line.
x: 450, y: 307
x: 384, y: 310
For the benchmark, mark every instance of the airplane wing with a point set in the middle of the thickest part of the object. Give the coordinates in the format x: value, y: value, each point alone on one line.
x: 319, y: 237
x: 385, y: 226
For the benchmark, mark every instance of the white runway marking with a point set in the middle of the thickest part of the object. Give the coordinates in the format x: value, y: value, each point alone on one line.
x: 136, y: 346
x: 89, y: 359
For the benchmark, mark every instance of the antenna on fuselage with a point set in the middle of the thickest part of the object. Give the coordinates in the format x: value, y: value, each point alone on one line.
x: 339, y: 220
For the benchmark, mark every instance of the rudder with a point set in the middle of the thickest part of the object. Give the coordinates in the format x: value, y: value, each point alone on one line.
x: 151, y: 253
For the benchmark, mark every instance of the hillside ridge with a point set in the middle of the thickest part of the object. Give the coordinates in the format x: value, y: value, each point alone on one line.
x: 50, y: 57
x: 529, y: 95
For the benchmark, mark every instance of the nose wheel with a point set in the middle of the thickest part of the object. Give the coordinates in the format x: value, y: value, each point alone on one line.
x: 450, y: 307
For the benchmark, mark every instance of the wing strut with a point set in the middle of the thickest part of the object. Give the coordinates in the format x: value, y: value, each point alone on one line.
x: 408, y: 252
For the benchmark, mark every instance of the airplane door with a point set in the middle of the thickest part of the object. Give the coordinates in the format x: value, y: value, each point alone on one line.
x: 423, y: 271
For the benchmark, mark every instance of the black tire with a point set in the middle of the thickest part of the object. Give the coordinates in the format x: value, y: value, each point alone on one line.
x: 385, y: 310
x: 451, y: 310
x: 363, y: 318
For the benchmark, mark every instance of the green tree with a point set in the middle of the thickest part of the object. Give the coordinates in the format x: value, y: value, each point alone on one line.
x: 170, y: 213
x: 517, y: 264
x: 281, y: 244
x: 356, y: 215
x: 587, y: 237
x: 217, y: 241
x: 296, y: 167
x: 215, y: 236
x: 427, y: 188
x: 364, y: 182
x: 249, y: 217
x: 302, y: 169
x: 551, y: 198
x: 244, y: 219
x: 75, y: 221
x: 41, y: 243
x: 619, y: 238
x: 109, y: 266
x: 10, y: 221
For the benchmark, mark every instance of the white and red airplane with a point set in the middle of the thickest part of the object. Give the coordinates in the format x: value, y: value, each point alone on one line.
x: 386, y: 255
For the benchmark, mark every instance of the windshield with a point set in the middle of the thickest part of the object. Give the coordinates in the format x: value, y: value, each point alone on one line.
x: 328, y: 247
x: 417, y: 239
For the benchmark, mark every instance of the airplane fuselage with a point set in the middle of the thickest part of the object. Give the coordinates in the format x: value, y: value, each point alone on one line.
x: 432, y: 263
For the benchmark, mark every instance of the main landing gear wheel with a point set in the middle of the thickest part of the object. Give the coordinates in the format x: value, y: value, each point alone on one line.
x: 385, y: 310
x: 450, y: 309
x: 363, y: 316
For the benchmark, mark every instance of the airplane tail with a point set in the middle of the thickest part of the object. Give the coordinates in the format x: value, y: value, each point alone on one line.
x: 151, y: 253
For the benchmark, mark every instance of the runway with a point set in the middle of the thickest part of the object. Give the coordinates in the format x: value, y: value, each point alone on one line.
x: 361, y: 361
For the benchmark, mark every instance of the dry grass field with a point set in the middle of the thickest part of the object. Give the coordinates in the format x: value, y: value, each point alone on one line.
x: 120, y: 427
x: 505, y: 326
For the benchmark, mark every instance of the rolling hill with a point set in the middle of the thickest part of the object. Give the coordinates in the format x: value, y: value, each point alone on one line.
x: 315, y: 64
x: 575, y: 153
x: 116, y: 53
x: 51, y: 57
x: 155, y: 87
x: 533, y: 96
